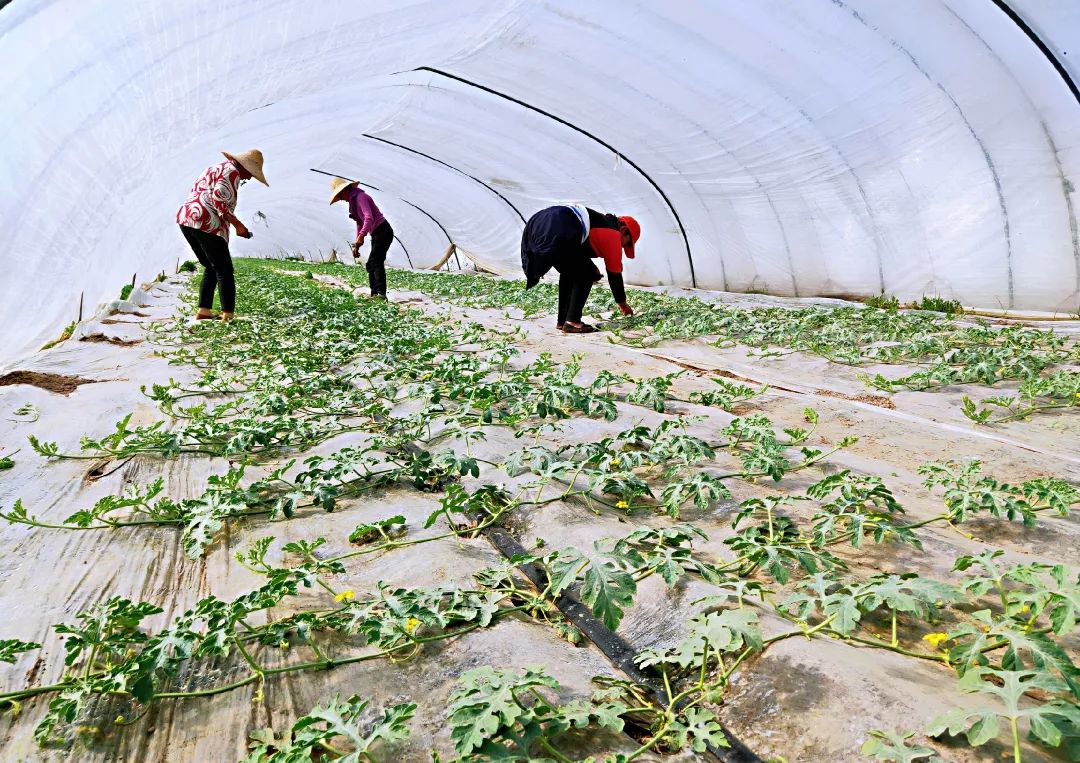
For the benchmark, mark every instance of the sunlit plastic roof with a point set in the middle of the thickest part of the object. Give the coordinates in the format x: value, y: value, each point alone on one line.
x: 837, y: 147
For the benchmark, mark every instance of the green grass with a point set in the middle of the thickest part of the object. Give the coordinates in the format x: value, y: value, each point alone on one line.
x: 64, y: 335
x: 883, y: 301
x: 939, y: 305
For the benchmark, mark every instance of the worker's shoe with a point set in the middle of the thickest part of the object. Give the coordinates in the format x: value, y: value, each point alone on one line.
x: 206, y: 317
x: 560, y: 327
x: 581, y: 328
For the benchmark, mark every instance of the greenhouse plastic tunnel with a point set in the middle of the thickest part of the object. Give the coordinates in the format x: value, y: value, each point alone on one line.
x: 802, y: 149
x: 844, y: 409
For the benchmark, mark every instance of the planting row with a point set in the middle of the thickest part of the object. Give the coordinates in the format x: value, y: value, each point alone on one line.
x: 945, y: 350
x: 456, y: 412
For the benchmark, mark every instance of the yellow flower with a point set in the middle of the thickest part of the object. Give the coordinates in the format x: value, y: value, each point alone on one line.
x: 614, y: 462
x: 119, y: 719
x: 283, y: 644
x: 345, y: 596
x: 622, y: 505
x: 411, y: 624
x: 936, y: 639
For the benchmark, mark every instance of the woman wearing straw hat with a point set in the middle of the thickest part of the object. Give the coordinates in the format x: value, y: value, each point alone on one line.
x: 369, y: 220
x: 204, y: 220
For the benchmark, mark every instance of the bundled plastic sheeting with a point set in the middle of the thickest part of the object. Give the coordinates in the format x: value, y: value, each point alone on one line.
x: 803, y: 148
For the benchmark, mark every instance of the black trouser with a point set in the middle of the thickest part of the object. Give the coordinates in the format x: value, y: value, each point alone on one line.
x: 381, y: 238
x: 213, y: 252
x: 576, y: 278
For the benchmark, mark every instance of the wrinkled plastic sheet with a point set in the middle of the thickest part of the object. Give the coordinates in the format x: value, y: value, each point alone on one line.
x: 839, y: 150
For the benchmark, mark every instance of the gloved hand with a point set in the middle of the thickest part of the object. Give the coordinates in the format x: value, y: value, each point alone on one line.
x: 625, y: 308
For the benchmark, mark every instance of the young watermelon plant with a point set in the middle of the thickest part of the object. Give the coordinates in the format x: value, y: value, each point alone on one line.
x: 425, y: 396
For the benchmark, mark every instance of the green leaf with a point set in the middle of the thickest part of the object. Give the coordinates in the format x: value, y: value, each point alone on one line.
x: 697, y: 728
x: 606, y: 587
x: 608, y: 592
x: 382, y: 529
x: 9, y: 648
x: 1007, y: 688
x: 143, y: 688
x: 896, y: 747
x: 335, y: 720
x: 485, y: 704
x: 729, y: 630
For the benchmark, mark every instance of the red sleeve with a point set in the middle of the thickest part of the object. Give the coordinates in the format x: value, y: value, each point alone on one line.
x: 607, y: 244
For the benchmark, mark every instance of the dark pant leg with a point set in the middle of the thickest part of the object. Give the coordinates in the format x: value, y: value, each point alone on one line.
x: 580, y: 295
x: 217, y: 249
x: 576, y: 276
x: 381, y: 238
x: 209, y: 278
x: 213, y: 253
x: 566, y: 290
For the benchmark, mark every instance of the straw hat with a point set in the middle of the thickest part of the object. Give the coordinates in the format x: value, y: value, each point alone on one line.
x: 338, y: 186
x: 252, y: 161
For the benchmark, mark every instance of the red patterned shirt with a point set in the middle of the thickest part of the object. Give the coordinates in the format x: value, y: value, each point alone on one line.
x: 213, y: 194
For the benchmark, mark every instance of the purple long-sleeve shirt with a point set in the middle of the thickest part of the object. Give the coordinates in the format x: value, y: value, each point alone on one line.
x: 362, y: 209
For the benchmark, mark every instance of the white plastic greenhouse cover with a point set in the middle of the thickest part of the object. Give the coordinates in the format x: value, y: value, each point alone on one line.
x: 796, y: 146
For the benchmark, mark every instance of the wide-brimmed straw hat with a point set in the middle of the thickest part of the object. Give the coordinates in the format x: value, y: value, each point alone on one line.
x: 338, y: 186
x: 252, y: 161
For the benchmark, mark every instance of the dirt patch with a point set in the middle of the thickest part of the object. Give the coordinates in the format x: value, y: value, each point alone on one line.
x: 59, y: 383
x: 699, y: 371
x: 110, y: 340
x: 879, y: 400
x: 112, y: 321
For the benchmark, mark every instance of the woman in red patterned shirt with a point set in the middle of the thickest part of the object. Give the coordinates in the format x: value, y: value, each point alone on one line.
x: 204, y: 219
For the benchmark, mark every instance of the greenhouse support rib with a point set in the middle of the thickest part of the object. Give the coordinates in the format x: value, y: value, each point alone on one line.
x: 586, y: 133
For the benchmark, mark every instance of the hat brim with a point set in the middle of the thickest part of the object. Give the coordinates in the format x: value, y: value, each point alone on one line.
x: 337, y: 196
x: 256, y: 172
x: 634, y: 232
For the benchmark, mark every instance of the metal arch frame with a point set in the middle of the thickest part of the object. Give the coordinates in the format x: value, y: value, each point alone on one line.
x: 601, y: 141
x: 417, y: 207
x: 414, y: 206
x: 448, y: 166
x: 441, y: 227
x: 1032, y: 35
